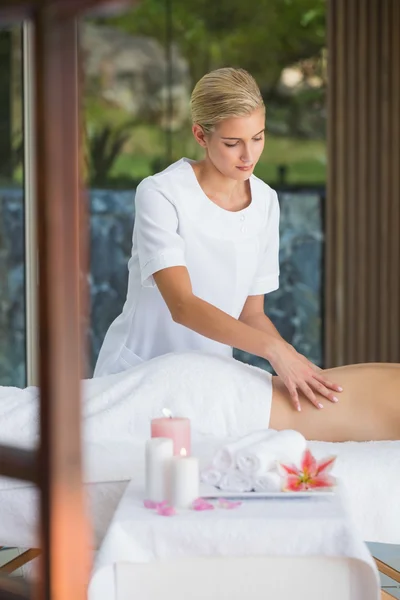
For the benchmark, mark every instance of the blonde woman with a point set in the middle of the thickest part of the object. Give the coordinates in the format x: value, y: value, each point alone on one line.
x: 205, y: 249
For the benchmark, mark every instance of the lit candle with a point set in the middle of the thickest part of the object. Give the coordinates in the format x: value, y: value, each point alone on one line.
x: 175, y: 428
x: 159, y: 452
x: 183, y: 484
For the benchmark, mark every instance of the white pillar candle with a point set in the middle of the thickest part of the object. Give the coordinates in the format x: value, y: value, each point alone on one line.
x: 159, y: 452
x: 183, y: 484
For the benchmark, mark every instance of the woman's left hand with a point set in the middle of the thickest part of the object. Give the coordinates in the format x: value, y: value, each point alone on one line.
x: 300, y: 374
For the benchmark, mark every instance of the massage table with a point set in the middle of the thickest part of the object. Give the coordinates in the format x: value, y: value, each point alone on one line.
x: 224, y: 399
x: 374, y: 510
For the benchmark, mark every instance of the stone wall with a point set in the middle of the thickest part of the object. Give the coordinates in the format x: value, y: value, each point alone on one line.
x: 295, y: 308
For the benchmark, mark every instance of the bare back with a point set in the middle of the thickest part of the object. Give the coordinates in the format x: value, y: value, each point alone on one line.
x: 368, y: 408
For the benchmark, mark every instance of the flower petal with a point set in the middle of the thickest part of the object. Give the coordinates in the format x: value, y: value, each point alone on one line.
x: 293, y: 484
x: 166, y: 511
x: 201, y: 504
x: 288, y: 470
x: 228, y: 504
x: 205, y: 506
x: 325, y: 464
x: 154, y: 505
x: 308, y: 463
x: 322, y: 481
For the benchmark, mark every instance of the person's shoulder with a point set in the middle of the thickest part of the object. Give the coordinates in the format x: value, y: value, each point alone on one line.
x: 263, y: 190
x: 164, y: 180
x: 265, y: 197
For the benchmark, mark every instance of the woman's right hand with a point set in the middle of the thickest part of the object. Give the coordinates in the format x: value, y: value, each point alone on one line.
x: 298, y: 373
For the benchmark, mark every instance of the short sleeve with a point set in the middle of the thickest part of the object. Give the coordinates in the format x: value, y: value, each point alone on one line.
x: 267, y: 274
x: 159, y: 244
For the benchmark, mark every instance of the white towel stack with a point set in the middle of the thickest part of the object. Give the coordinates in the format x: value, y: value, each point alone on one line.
x: 250, y: 463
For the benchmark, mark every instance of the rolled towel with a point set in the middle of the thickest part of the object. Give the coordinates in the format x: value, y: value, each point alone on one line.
x: 234, y: 481
x: 211, y: 476
x: 269, y: 482
x: 283, y: 446
x: 224, y: 459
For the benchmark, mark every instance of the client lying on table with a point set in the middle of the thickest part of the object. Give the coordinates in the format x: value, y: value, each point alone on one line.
x: 368, y: 408
x: 222, y: 397
x: 226, y: 398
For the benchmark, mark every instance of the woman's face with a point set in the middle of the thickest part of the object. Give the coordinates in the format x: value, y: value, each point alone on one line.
x: 235, y: 145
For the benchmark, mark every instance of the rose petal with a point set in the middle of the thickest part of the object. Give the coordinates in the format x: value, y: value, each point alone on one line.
x: 166, y: 511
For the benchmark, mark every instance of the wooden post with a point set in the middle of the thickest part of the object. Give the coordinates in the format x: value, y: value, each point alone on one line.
x: 61, y: 215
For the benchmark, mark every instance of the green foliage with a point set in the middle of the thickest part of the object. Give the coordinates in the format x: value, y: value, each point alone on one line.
x: 263, y: 38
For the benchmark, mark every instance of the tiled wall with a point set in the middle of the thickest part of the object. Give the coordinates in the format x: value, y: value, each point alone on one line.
x: 295, y: 308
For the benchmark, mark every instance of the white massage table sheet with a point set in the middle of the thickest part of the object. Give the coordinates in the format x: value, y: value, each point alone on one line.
x: 223, y: 399
x: 289, y: 527
x: 368, y: 473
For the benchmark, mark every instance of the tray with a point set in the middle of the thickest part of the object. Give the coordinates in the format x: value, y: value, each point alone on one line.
x: 209, y: 491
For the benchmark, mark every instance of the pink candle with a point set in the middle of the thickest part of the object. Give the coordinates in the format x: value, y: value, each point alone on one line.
x: 175, y: 428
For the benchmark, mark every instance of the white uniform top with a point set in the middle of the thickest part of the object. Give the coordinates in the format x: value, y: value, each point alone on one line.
x: 229, y: 256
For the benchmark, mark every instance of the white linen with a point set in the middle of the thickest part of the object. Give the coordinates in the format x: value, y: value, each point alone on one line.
x: 268, y: 482
x: 229, y: 256
x: 281, y: 446
x: 235, y: 481
x: 221, y: 396
x: 368, y: 473
x: 225, y: 457
x: 19, y: 512
x: 224, y: 400
x: 211, y: 476
x: 301, y: 527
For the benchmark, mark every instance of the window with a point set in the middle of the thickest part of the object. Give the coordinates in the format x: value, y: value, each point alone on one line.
x: 140, y: 69
x: 12, y: 231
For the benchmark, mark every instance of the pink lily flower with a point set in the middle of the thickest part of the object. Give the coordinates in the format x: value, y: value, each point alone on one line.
x: 228, y: 504
x: 312, y: 474
x: 201, y: 504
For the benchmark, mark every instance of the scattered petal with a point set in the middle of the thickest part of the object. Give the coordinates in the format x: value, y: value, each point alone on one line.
x: 166, y: 511
x: 228, y: 504
x: 154, y: 505
x: 201, y: 504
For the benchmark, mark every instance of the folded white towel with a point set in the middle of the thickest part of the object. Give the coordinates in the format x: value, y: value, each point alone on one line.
x: 235, y: 481
x: 211, y: 476
x: 269, y: 482
x: 225, y: 456
x: 282, y: 446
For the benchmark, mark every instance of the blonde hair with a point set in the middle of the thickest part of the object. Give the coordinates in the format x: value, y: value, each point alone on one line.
x: 222, y: 94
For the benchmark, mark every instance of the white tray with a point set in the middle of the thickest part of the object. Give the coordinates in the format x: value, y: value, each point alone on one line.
x: 209, y: 491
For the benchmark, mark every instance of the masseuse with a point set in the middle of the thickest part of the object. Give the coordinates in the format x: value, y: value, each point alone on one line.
x: 205, y: 248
